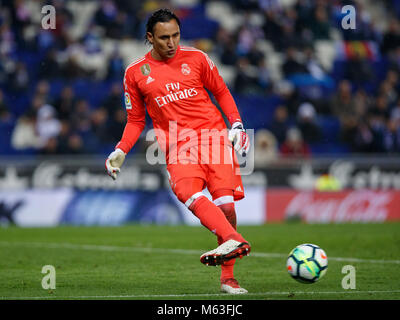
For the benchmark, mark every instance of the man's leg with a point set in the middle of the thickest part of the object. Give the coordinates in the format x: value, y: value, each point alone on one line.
x: 189, y: 192
x: 224, y: 200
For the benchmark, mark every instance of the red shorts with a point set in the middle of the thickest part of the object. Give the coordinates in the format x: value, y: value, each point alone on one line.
x: 217, y: 175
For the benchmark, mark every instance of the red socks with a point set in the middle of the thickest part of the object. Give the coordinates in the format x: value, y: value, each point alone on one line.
x: 221, y: 223
x: 213, y: 219
x: 227, y: 267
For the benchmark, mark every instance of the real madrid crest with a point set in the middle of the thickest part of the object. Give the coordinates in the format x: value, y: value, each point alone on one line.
x: 185, y: 69
x: 145, y: 69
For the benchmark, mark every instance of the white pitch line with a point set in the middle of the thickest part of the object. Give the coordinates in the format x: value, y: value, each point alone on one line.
x: 168, y: 250
x: 188, y: 295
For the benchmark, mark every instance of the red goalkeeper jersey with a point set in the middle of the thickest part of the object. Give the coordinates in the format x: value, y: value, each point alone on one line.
x: 174, y: 93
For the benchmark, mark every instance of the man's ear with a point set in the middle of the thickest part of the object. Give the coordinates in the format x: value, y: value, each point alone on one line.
x: 150, y: 37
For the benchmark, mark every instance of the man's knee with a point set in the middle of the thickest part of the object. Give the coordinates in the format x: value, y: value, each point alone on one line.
x: 188, y: 190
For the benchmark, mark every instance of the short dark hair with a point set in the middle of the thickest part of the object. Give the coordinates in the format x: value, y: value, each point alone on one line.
x: 161, y: 15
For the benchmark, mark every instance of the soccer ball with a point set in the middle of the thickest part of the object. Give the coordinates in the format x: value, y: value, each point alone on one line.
x: 307, y: 263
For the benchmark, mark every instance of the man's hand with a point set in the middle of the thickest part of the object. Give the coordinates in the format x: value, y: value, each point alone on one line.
x: 114, y: 163
x: 239, y: 138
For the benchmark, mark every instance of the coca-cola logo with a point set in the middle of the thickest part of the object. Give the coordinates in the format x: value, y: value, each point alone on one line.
x: 362, y: 205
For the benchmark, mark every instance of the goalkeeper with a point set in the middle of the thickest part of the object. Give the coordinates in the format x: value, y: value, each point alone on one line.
x: 170, y: 81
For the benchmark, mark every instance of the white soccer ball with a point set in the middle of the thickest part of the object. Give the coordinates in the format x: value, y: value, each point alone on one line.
x: 307, y: 263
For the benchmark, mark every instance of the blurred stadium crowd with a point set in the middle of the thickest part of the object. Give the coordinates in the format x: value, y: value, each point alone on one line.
x: 305, y: 84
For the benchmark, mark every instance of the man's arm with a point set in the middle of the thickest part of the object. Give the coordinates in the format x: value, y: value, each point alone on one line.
x: 135, y: 124
x: 214, y: 82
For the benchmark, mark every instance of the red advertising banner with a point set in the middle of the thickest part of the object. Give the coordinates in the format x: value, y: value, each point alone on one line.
x: 325, y: 207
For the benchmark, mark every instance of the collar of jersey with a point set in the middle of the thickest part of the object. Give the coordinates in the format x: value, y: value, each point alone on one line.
x: 167, y: 61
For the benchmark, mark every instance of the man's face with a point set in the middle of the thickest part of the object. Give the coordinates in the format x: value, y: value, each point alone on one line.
x: 165, y: 39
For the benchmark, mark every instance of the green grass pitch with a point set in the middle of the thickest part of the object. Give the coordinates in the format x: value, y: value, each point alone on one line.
x: 162, y: 262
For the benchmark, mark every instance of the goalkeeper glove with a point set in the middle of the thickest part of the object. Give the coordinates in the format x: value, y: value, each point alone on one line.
x: 239, y: 138
x: 114, y: 163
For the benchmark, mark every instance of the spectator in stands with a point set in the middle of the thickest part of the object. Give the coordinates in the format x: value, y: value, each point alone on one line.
x: 116, y: 125
x: 64, y: 21
x: 116, y: 66
x: 50, y: 147
x: 270, y: 5
x: 358, y: 69
x: 47, y: 125
x: 7, y: 40
x: 106, y: 13
x: 392, y: 133
x: 80, y: 119
x: 313, y: 65
x: 99, y: 125
x: 69, y: 142
x: 229, y: 55
x: 246, y: 80
x: 72, y: 68
x: 5, y: 114
x: 225, y: 47
x: 391, y: 38
x: 5, y: 63
x: 76, y: 145
x: 292, y: 64
x: 362, y: 101
x: 65, y: 103
x: 392, y: 77
x: 81, y: 125
x: 42, y: 91
x: 63, y: 137
x: 20, y: 19
x: 24, y: 135
x: 45, y: 42
x: 307, y: 123
x: 395, y: 111
x: 343, y: 106
x: 380, y: 109
x: 369, y: 136
x: 265, y: 148
x: 281, y: 28
x: 294, y: 145
x: 255, y: 55
x: 288, y: 37
x: 264, y: 79
x: 319, y: 24
x: 288, y: 95
x: 49, y: 67
x: 19, y: 79
x: 388, y: 90
x: 113, y: 101
x: 280, y: 123
x: 394, y: 59
x: 247, y: 36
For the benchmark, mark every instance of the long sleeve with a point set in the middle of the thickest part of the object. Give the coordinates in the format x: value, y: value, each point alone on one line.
x: 136, y: 114
x: 214, y: 82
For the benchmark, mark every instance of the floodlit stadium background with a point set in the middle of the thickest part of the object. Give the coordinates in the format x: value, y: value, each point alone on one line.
x: 324, y: 103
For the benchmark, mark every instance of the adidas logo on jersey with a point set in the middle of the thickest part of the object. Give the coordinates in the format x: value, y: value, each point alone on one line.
x: 239, y: 189
x: 149, y: 80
